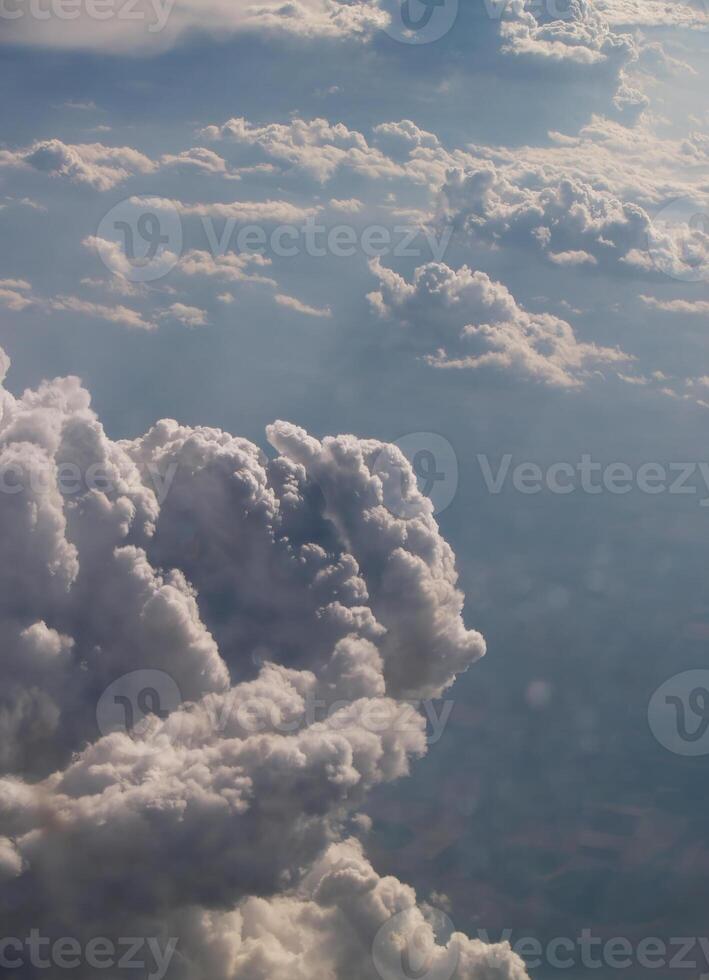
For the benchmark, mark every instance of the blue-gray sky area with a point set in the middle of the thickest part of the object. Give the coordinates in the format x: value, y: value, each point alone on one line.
x: 477, y: 231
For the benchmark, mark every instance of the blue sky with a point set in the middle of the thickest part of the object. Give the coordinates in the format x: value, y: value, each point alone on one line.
x: 495, y: 232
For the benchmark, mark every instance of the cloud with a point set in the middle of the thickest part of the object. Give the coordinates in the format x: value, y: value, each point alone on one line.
x: 230, y: 267
x: 465, y: 320
x: 653, y: 13
x: 201, y: 159
x: 15, y: 295
x: 226, y: 818
x: 579, y: 34
x: 314, y: 146
x: 597, y: 193
x: 279, y: 212
x: 189, y: 316
x: 149, y: 25
x: 349, y: 206
x: 114, y: 314
x: 572, y: 258
x: 98, y: 166
x: 295, y: 304
x: 13, y: 299
x: 696, y: 307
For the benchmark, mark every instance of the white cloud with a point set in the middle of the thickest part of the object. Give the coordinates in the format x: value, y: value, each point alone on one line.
x: 189, y: 316
x: 150, y: 25
x: 279, y: 212
x: 572, y: 258
x: 114, y: 314
x: 334, y: 601
x: 314, y: 146
x: 101, y: 167
x: 295, y: 304
x: 654, y: 13
x: 230, y: 267
x: 596, y: 194
x: 695, y: 307
x: 349, y: 206
x: 201, y: 159
x: 465, y: 320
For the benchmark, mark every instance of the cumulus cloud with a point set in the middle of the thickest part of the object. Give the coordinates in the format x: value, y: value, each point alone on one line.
x: 654, y: 13
x: 189, y: 316
x: 579, y: 33
x: 292, y: 303
x: 230, y: 267
x: 572, y: 258
x: 159, y: 24
x: 200, y: 159
x: 592, y: 199
x: 465, y: 320
x: 315, y: 146
x: 98, y: 166
x: 225, y: 817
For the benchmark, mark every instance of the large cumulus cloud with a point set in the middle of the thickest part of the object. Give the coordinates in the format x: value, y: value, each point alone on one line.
x: 262, y: 585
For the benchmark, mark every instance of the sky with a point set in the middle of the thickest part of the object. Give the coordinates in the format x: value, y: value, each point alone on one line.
x: 353, y: 488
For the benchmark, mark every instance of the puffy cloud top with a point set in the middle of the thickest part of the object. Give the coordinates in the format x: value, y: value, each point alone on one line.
x: 261, y: 587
